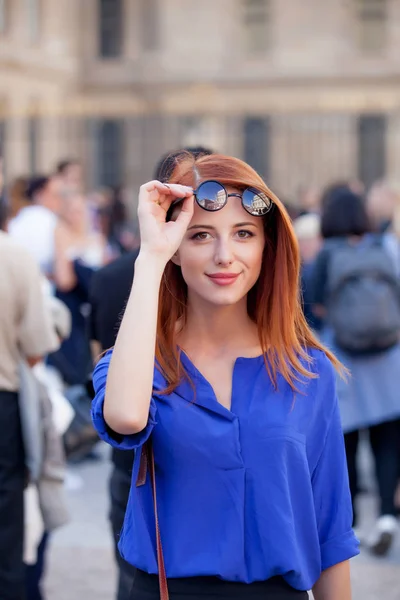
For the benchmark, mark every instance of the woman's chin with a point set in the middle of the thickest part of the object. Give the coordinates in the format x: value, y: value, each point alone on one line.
x: 223, y: 297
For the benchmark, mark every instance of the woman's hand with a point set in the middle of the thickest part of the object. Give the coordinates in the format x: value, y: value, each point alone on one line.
x: 159, y: 238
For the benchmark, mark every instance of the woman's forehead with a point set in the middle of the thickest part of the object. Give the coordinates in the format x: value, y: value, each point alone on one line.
x: 231, y: 214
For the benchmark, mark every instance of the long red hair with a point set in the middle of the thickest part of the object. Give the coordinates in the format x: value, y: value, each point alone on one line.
x: 273, y: 303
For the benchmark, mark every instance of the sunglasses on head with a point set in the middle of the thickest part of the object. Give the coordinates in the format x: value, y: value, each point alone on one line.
x: 212, y: 196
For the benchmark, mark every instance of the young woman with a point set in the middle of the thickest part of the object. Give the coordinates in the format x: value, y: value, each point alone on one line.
x: 215, y: 363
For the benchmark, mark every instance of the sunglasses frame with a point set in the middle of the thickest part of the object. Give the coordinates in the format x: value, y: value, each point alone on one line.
x: 235, y: 195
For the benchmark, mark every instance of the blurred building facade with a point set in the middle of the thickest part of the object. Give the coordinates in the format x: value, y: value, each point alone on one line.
x: 305, y: 91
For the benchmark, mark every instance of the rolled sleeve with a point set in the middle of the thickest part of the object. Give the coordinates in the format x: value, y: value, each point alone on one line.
x: 339, y: 549
x: 332, y: 499
x: 121, y: 442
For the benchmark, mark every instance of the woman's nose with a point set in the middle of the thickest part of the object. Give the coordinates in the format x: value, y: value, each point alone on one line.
x: 224, y: 253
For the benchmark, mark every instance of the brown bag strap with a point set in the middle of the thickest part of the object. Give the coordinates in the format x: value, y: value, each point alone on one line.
x: 147, y: 464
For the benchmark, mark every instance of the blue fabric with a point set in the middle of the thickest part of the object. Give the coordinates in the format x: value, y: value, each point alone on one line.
x: 247, y: 494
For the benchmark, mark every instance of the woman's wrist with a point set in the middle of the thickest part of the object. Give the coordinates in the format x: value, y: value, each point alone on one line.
x: 150, y: 263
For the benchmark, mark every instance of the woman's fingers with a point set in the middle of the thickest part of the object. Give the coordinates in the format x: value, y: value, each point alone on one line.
x: 186, y: 213
x: 155, y: 191
x: 154, y: 200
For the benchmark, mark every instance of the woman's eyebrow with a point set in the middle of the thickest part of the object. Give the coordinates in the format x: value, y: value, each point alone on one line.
x: 244, y: 224
x: 200, y: 227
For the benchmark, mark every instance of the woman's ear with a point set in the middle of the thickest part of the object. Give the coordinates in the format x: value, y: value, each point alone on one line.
x: 176, y: 259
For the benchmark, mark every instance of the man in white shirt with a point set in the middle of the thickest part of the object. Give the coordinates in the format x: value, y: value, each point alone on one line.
x: 34, y: 225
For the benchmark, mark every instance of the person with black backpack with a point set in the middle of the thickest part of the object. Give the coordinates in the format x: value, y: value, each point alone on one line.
x: 357, y: 292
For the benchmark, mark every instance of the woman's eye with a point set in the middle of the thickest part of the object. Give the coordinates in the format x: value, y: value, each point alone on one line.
x: 243, y: 234
x: 202, y: 235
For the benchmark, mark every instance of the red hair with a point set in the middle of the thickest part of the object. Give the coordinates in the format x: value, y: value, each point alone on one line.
x: 273, y: 303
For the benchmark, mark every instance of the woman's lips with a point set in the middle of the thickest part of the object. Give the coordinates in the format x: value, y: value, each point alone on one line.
x: 223, y: 278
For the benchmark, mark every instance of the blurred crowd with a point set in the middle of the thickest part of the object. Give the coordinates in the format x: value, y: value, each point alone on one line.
x: 54, y: 237
x: 70, y: 233
x: 67, y: 256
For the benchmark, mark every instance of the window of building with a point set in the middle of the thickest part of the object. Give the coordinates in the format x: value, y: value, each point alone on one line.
x: 192, y: 131
x: 33, y: 143
x: 372, y: 16
x: 33, y: 14
x: 2, y: 141
x: 110, y: 28
x: 256, y: 20
x: 110, y: 152
x: 150, y: 25
x: 371, y: 148
x: 3, y: 16
x: 256, y: 144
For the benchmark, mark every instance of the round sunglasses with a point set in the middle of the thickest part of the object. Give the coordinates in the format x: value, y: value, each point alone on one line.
x: 212, y: 196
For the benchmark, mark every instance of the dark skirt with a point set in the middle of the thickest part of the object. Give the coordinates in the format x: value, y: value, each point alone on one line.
x: 146, y: 587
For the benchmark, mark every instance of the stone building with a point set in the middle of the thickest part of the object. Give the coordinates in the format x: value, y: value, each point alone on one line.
x: 305, y: 90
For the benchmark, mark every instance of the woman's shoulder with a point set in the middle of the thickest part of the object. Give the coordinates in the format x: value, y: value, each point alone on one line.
x: 322, y: 369
x: 317, y: 398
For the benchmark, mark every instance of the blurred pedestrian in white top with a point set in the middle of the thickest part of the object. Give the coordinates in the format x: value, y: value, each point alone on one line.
x: 34, y: 226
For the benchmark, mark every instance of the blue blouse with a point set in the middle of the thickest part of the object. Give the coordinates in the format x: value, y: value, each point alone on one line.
x: 244, y: 494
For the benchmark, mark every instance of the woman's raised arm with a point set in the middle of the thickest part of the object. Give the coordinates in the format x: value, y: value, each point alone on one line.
x: 130, y: 376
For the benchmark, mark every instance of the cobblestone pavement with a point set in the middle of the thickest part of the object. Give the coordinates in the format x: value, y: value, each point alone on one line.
x: 81, y: 565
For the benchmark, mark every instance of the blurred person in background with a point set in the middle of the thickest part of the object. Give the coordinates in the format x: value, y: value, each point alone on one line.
x: 391, y: 227
x: 392, y: 242
x: 4, y: 206
x: 17, y: 195
x: 109, y: 294
x: 114, y: 222
x: 75, y: 240
x: 78, y: 253
x: 45, y: 415
x: 341, y: 185
x: 309, y: 200
x: 381, y: 201
x: 25, y: 331
x: 70, y: 174
x: 332, y: 190
x: 356, y: 292
x: 308, y: 233
x: 34, y: 226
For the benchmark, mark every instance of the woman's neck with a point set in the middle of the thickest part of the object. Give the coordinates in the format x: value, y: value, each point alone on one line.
x: 216, y: 330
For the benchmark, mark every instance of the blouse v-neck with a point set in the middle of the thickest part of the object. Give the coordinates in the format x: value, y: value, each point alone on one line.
x: 205, y: 394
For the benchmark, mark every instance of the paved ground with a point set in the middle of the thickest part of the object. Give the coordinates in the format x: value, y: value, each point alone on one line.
x: 81, y: 565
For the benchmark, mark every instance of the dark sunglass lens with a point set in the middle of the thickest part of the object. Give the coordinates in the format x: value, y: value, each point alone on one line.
x: 211, y: 195
x: 256, y: 203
